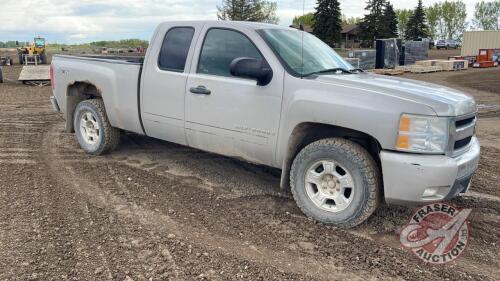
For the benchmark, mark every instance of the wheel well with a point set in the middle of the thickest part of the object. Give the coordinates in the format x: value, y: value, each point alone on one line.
x: 306, y: 133
x: 77, y: 92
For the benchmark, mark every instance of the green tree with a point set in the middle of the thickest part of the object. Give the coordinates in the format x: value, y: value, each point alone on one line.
x: 454, y: 17
x: 248, y: 10
x: 350, y: 20
x: 327, y: 21
x: 12, y: 44
x: 403, y: 16
x: 390, y: 22
x: 307, y: 19
x: 487, y: 15
x: 372, y: 26
x: 417, y: 24
x: 433, y: 14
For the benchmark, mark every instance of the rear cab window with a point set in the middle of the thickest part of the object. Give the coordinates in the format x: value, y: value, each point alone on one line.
x: 175, y: 49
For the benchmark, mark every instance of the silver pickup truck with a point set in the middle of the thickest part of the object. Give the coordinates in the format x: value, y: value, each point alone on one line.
x: 344, y: 139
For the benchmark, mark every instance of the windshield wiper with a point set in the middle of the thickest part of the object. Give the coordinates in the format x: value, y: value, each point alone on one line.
x: 336, y: 69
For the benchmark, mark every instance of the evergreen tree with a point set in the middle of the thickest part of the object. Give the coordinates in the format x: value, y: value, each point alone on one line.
x: 390, y: 22
x: 248, y: 10
x: 417, y: 25
x: 327, y: 21
x: 372, y: 26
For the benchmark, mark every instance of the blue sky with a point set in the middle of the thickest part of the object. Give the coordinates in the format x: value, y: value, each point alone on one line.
x: 77, y: 21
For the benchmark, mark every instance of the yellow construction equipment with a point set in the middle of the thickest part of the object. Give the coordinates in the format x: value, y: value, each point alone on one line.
x: 33, y: 53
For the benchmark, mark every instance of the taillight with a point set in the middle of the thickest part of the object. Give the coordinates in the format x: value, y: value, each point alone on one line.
x: 52, y: 83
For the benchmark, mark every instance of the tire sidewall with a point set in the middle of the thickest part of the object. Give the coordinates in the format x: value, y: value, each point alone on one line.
x: 82, y: 108
x: 342, y: 157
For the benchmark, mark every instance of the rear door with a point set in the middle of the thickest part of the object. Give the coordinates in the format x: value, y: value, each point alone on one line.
x: 232, y: 116
x: 164, y: 81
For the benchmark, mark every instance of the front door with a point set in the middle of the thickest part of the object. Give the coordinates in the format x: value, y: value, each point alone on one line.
x: 226, y: 114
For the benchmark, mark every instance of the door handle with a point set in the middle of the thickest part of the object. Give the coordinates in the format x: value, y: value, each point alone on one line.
x: 200, y: 90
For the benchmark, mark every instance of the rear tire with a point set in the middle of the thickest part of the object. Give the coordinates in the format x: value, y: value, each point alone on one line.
x: 92, y: 128
x: 327, y: 169
x: 43, y: 58
x: 1, y: 75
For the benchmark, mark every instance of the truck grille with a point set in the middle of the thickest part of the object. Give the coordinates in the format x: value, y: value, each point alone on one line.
x: 461, y: 132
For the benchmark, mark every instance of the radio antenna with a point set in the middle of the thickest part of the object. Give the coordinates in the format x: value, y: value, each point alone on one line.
x: 302, y: 29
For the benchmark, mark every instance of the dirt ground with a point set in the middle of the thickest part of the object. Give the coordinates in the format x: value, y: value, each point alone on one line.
x: 153, y: 210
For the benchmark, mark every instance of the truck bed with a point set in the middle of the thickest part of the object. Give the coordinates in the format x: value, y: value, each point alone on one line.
x: 116, y: 78
x: 113, y: 59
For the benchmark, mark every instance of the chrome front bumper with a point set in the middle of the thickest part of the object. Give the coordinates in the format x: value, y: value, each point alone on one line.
x: 411, y: 178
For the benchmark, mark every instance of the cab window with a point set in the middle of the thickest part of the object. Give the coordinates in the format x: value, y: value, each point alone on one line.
x: 175, y: 49
x: 221, y: 47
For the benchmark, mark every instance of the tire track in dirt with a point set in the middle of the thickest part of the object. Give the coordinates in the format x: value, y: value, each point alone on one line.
x: 164, y: 224
x: 147, y: 216
x: 34, y: 247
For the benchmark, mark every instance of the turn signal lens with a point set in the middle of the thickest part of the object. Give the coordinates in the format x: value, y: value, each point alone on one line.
x: 403, y: 142
x: 404, y: 123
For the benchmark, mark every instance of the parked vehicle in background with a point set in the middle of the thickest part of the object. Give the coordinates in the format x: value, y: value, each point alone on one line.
x: 277, y: 96
x: 431, y: 42
x: 446, y: 44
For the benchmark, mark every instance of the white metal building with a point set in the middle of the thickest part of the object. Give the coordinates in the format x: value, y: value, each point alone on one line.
x: 475, y: 40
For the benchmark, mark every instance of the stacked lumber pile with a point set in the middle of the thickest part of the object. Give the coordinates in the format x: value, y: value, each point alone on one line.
x: 445, y: 65
x: 419, y: 68
x: 390, y: 72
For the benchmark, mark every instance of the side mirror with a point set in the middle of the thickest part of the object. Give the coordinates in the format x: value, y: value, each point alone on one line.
x: 253, y: 69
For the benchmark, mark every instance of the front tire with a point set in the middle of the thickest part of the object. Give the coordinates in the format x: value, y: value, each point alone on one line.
x: 43, y: 58
x: 335, y: 181
x: 92, y: 128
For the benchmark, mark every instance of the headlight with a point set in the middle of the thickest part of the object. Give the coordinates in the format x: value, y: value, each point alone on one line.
x: 422, y: 134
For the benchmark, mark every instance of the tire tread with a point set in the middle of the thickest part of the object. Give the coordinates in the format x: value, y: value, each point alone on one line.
x: 111, y: 134
x: 369, y: 170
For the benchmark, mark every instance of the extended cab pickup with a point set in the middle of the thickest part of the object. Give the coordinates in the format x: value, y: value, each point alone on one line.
x: 344, y: 139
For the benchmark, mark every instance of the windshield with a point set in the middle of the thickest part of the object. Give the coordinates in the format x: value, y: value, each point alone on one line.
x: 39, y: 42
x: 318, y: 56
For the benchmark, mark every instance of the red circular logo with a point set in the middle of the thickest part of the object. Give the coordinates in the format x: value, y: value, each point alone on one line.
x: 437, y: 233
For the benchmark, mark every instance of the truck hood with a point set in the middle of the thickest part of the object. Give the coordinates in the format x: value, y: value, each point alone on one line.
x: 443, y: 100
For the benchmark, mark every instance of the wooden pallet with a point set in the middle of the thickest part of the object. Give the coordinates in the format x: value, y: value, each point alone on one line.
x: 425, y: 69
x: 446, y: 65
x: 453, y: 65
x: 404, y: 68
x: 390, y: 72
x: 427, y: 62
x: 35, y: 74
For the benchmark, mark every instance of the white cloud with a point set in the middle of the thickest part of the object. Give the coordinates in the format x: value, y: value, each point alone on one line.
x: 78, y: 36
x: 77, y: 20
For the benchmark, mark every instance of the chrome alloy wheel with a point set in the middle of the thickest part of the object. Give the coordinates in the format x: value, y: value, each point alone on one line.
x: 329, y: 185
x: 89, y: 128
